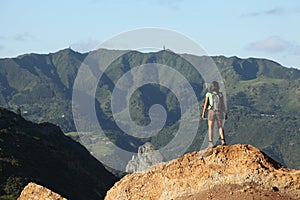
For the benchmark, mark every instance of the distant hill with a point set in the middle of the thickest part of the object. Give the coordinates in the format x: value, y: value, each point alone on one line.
x: 41, y: 153
x: 41, y: 85
x: 263, y: 98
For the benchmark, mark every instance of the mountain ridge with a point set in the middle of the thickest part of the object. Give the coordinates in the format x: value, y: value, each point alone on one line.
x: 261, y: 94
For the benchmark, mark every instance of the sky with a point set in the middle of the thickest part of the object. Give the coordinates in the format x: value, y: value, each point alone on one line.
x: 253, y: 28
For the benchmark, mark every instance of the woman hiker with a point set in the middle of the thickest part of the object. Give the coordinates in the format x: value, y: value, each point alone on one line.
x: 214, y: 102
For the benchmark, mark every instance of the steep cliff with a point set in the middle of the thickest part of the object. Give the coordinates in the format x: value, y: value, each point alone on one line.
x: 41, y: 153
x: 146, y: 157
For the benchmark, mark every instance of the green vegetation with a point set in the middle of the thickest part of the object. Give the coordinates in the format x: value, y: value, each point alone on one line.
x: 263, y: 98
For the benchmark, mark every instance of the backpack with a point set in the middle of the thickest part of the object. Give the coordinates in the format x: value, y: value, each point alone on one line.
x: 216, y: 101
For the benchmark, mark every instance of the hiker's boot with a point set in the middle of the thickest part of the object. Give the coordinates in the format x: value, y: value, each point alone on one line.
x: 210, y: 144
x: 223, y: 142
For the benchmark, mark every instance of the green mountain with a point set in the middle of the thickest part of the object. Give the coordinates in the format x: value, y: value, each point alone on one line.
x: 263, y: 98
x: 41, y: 153
x: 41, y: 85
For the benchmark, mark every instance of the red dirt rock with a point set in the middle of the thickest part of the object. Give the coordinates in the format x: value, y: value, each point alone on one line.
x: 224, y: 172
x: 36, y: 192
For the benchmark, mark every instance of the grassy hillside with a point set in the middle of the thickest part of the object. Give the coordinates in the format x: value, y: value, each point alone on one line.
x: 263, y: 98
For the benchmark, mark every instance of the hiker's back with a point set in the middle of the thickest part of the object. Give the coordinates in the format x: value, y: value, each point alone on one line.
x: 215, y: 101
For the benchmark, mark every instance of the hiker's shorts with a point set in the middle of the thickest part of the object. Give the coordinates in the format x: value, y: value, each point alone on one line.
x: 212, y: 115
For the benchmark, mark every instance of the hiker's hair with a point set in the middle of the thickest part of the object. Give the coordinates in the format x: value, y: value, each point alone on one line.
x: 214, y: 87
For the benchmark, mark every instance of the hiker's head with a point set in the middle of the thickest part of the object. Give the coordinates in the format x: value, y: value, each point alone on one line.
x: 214, y: 87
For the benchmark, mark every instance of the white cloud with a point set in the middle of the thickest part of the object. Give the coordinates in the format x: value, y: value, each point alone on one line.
x: 275, y: 44
x: 296, y: 50
x: 274, y: 12
x: 272, y: 44
x: 169, y: 4
x: 172, y: 4
x: 23, y: 37
x: 85, y: 46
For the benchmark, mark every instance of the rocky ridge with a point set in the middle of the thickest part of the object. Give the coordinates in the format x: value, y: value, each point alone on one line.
x: 35, y: 191
x: 235, y: 171
x: 146, y: 157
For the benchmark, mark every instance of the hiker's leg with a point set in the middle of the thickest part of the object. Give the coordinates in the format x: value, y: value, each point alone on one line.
x: 221, y: 130
x: 210, y: 122
x: 210, y: 133
x: 210, y: 130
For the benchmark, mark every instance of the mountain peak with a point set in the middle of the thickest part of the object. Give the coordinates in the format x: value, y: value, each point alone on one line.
x: 67, y: 50
x: 229, y: 171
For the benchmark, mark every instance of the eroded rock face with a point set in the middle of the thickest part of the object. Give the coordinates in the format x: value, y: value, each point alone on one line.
x: 146, y: 157
x: 235, y: 170
x: 34, y: 191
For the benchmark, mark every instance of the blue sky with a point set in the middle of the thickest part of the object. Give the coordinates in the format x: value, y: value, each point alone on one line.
x: 264, y: 29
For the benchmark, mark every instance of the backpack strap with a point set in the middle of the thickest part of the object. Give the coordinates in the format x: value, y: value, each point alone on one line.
x: 210, y: 100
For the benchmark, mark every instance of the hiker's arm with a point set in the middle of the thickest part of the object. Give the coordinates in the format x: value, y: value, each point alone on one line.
x: 205, y: 107
x: 223, y: 105
x: 224, y: 108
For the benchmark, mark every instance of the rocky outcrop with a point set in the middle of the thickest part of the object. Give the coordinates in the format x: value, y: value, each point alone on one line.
x: 146, y: 157
x: 34, y: 191
x: 224, y: 172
